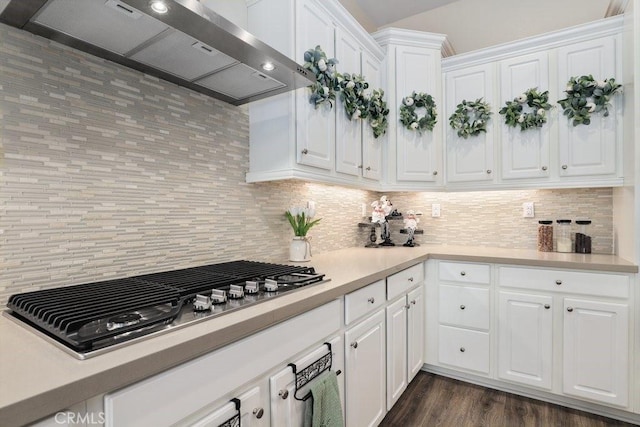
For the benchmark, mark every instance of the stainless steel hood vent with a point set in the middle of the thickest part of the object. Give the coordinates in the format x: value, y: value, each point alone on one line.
x: 190, y: 45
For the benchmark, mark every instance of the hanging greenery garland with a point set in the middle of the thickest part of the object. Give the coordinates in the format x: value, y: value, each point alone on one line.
x: 538, y: 103
x: 352, y: 88
x: 470, y: 118
x: 585, y: 95
x: 378, y: 113
x: 326, y: 85
x: 408, y: 116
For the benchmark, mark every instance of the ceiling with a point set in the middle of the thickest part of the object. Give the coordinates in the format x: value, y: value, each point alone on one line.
x: 475, y: 24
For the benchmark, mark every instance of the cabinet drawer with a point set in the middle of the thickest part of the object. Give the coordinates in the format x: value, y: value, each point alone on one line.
x: 580, y: 282
x: 363, y: 301
x: 464, y: 348
x: 400, y: 282
x: 464, y: 272
x: 464, y: 306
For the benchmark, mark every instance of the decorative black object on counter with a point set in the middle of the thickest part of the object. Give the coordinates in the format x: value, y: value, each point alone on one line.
x: 583, y: 241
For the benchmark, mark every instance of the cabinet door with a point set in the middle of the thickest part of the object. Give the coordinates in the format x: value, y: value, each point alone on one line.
x: 525, y: 334
x: 525, y: 154
x: 365, y: 366
x: 286, y: 410
x: 396, y: 350
x: 315, y: 127
x: 471, y: 159
x: 348, y: 132
x: 588, y: 150
x: 417, y: 154
x: 415, y: 332
x: 371, y: 146
x: 253, y: 405
x: 596, y: 350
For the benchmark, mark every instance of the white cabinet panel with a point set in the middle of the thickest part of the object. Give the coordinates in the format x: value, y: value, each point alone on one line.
x: 525, y: 338
x: 596, y: 349
x: 371, y: 146
x: 464, y: 348
x: 525, y: 154
x: 348, y: 132
x: 464, y: 306
x: 415, y: 331
x: 588, y: 150
x: 417, y: 154
x: 315, y: 127
x: 470, y: 159
x: 253, y: 410
x: 397, y: 378
x: 364, y: 300
x: 365, y: 367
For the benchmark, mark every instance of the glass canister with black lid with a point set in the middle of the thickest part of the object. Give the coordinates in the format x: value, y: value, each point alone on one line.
x: 583, y: 240
x: 563, y: 239
x: 545, y: 236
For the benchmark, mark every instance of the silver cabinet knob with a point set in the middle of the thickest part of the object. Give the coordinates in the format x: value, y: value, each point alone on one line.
x: 558, y: 282
x: 547, y: 306
x: 305, y: 151
x: 354, y: 344
x: 360, y: 166
x: 283, y: 394
x: 368, y: 168
x: 462, y: 350
x: 462, y: 307
x: 435, y: 173
x: 564, y: 167
x: 407, y: 306
x: 569, y: 309
x: 410, y: 279
x: 462, y: 273
x: 371, y: 300
x: 544, y: 168
x: 488, y: 171
x: 413, y: 302
x: 258, y: 412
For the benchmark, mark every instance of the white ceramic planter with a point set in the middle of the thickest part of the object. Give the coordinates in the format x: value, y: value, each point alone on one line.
x: 299, y: 250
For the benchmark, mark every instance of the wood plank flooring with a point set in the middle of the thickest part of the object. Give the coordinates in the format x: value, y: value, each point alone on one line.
x: 432, y: 400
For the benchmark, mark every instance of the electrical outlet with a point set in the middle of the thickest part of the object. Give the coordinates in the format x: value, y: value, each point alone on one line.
x: 527, y: 210
x: 435, y: 210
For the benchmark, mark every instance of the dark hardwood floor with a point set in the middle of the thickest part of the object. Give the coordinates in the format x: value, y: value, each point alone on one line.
x: 432, y: 400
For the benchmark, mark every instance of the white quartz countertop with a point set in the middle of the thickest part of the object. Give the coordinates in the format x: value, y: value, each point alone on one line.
x: 38, y: 379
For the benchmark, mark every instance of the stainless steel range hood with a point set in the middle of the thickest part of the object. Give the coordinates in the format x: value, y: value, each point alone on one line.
x: 190, y: 45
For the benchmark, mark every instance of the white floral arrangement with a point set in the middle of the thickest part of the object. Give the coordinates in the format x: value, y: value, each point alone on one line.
x: 326, y: 85
x: 301, y: 219
x: 585, y: 96
x: 470, y: 118
x: 409, y: 117
x: 535, y: 116
x: 377, y: 113
x: 352, y: 89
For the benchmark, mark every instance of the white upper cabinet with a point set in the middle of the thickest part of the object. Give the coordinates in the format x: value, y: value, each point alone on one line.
x: 413, y: 160
x: 589, y: 150
x: 371, y: 146
x: 524, y: 154
x: 470, y: 159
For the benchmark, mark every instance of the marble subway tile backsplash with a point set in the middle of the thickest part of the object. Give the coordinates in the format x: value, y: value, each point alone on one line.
x: 106, y: 172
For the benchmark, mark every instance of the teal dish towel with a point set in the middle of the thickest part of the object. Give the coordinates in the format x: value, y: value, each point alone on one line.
x: 323, y: 408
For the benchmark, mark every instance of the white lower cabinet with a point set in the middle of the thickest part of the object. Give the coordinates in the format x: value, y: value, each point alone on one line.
x: 365, y: 367
x: 415, y: 331
x: 596, y: 349
x: 525, y: 338
x: 248, y: 409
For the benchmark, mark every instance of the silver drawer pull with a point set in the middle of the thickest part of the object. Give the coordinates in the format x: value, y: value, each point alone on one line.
x: 413, y: 302
x: 258, y: 412
x: 359, y: 166
x: 435, y: 173
x: 488, y: 171
x: 354, y: 344
x: 368, y: 168
x: 410, y: 279
x: 305, y: 151
x: 544, y: 168
x: 558, y: 282
x: 564, y: 167
x: 462, y: 273
x: 462, y: 350
x: 283, y: 394
x: 547, y: 306
x: 407, y: 306
x: 371, y: 300
x: 462, y: 307
x: 569, y: 309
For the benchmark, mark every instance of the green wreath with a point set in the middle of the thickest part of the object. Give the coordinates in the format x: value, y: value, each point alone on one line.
x: 378, y: 112
x: 326, y: 85
x: 585, y: 95
x: 408, y: 116
x: 352, y: 88
x: 514, y: 114
x: 470, y: 118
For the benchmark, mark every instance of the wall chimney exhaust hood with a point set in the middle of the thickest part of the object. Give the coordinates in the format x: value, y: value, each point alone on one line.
x: 188, y: 44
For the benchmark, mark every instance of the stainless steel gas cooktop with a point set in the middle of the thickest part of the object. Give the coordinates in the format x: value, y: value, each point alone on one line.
x: 89, y: 319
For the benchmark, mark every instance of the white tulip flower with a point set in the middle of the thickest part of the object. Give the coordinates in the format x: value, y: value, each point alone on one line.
x: 322, y: 65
